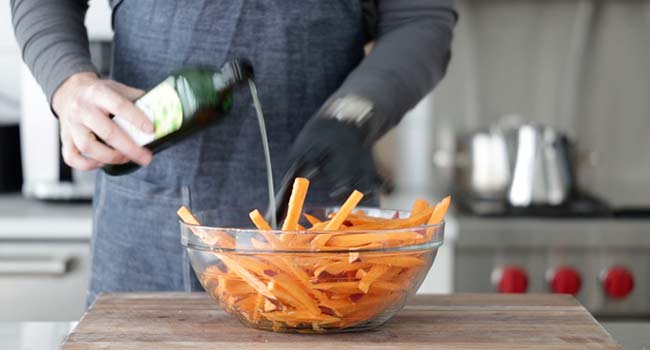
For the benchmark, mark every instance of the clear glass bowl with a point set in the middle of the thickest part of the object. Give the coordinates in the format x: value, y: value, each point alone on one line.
x: 306, y: 289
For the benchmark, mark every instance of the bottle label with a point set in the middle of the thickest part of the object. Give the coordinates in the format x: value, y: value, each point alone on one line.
x: 163, y: 107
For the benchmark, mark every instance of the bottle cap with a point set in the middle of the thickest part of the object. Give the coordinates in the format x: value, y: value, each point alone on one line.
x: 244, y: 69
x: 234, y: 72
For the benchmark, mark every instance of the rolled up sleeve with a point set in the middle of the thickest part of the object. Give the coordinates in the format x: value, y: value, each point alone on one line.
x: 53, y: 39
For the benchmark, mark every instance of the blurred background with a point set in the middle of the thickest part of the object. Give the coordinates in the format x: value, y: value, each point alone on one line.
x: 540, y: 131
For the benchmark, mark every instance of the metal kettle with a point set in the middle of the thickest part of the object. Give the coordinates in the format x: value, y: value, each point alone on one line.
x: 542, y: 173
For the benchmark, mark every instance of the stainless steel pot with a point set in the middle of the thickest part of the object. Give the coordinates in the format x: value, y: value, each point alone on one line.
x: 523, y: 165
x: 483, y: 168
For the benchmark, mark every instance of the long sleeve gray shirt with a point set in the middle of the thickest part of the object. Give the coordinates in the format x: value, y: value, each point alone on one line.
x: 410, y: 55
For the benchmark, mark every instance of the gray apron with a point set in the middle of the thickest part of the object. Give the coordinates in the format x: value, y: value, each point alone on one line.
x: 302, y: 50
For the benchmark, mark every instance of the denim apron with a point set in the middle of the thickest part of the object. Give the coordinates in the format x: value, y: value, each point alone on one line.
x: 301, y: 50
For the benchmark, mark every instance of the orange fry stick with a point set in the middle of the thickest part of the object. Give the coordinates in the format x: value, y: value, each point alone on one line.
x: 253, y: 281
x: 312, y: 219
x: 296, y: 201
x: 387, y: 286
x: 336, y: 268
x: 360, y: 239
x: 413, y: 221
x: 375, y: 272
x: 186, y: 215
x: 212, y: 237
x: 340, y: 287
x: 259, y: 301
x: 440, y: 211
x: 258, y: 220
x: 347, y: 207
x: 319, y: 226
x: 338, y: 219
x: 418, y: 206
x: 299, y: 294
x: 297, y: 317
x: 396, y: 261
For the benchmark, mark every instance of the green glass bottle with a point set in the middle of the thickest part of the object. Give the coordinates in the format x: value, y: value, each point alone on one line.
x: 183, y: 103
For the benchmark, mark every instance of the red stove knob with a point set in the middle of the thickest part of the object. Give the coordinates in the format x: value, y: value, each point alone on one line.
x: 618, y: 282
x: 565, y: 280
x: 511, y: 279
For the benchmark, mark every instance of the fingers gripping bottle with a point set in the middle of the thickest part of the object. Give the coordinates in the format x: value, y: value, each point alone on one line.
x: 183, y: 103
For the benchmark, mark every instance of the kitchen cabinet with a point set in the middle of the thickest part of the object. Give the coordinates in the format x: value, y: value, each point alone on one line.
x: 43, y: 281
x: 44, y: 259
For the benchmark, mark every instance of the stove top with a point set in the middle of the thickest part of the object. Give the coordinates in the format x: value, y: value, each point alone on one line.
x: 579, y: 206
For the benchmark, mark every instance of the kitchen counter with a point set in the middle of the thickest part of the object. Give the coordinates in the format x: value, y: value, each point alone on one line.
x: 459, y: 321
x: 28, y: 219
x: 50, y: 335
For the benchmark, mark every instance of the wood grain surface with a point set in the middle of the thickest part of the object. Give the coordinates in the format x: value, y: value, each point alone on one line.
x: 457, y: 321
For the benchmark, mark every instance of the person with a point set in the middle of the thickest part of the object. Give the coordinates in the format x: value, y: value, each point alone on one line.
x: 324, y: 100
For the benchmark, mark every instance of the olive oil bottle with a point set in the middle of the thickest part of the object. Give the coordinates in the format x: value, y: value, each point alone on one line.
x: 183, y: 103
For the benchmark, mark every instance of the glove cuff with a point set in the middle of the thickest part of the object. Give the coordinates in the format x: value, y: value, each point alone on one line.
x: 352, y: 110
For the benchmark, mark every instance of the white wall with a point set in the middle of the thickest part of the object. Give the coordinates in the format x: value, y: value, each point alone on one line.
x: 97, y: 21
x: 580, y: 66
x: 9, y: 66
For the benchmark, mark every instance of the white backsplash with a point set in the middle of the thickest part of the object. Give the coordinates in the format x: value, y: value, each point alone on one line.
x: 580, y: 66
x: 9, y: 64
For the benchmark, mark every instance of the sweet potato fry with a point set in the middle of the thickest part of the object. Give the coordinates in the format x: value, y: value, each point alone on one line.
x: 339, y: 217
x: 296, y: 201
x: 375, y: 272
x: 418, y: 206
x: 319, y: 226
x: 361, y: 239
x: 397, y: 261
x: 211, y: 237
x: 440, y: 211
x: 340, y: 287
x: 295, y: 290
x: 254, y: 282
x: 345, y: 210
x: 186, y: 215
x: 312, y: 219
x: 259, y: 221
x: 339, y: 267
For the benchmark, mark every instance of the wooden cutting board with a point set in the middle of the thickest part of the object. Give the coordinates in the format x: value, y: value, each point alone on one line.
x: 458, y: 321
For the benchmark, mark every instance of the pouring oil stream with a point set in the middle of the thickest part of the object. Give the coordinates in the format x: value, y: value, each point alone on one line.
x: 267, y: 153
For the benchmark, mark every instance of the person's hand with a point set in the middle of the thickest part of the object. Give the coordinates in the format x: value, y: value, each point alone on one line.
x: 83, y: 104
x: 335, y: 151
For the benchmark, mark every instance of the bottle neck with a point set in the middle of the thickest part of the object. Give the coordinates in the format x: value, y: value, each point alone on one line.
x: 233, y: 73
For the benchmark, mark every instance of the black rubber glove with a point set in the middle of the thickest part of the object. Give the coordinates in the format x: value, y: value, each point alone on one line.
x: 333, y: 151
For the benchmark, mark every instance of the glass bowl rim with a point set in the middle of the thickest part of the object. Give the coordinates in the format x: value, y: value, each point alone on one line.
x: 436, y: 239
x: 278, y: 231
